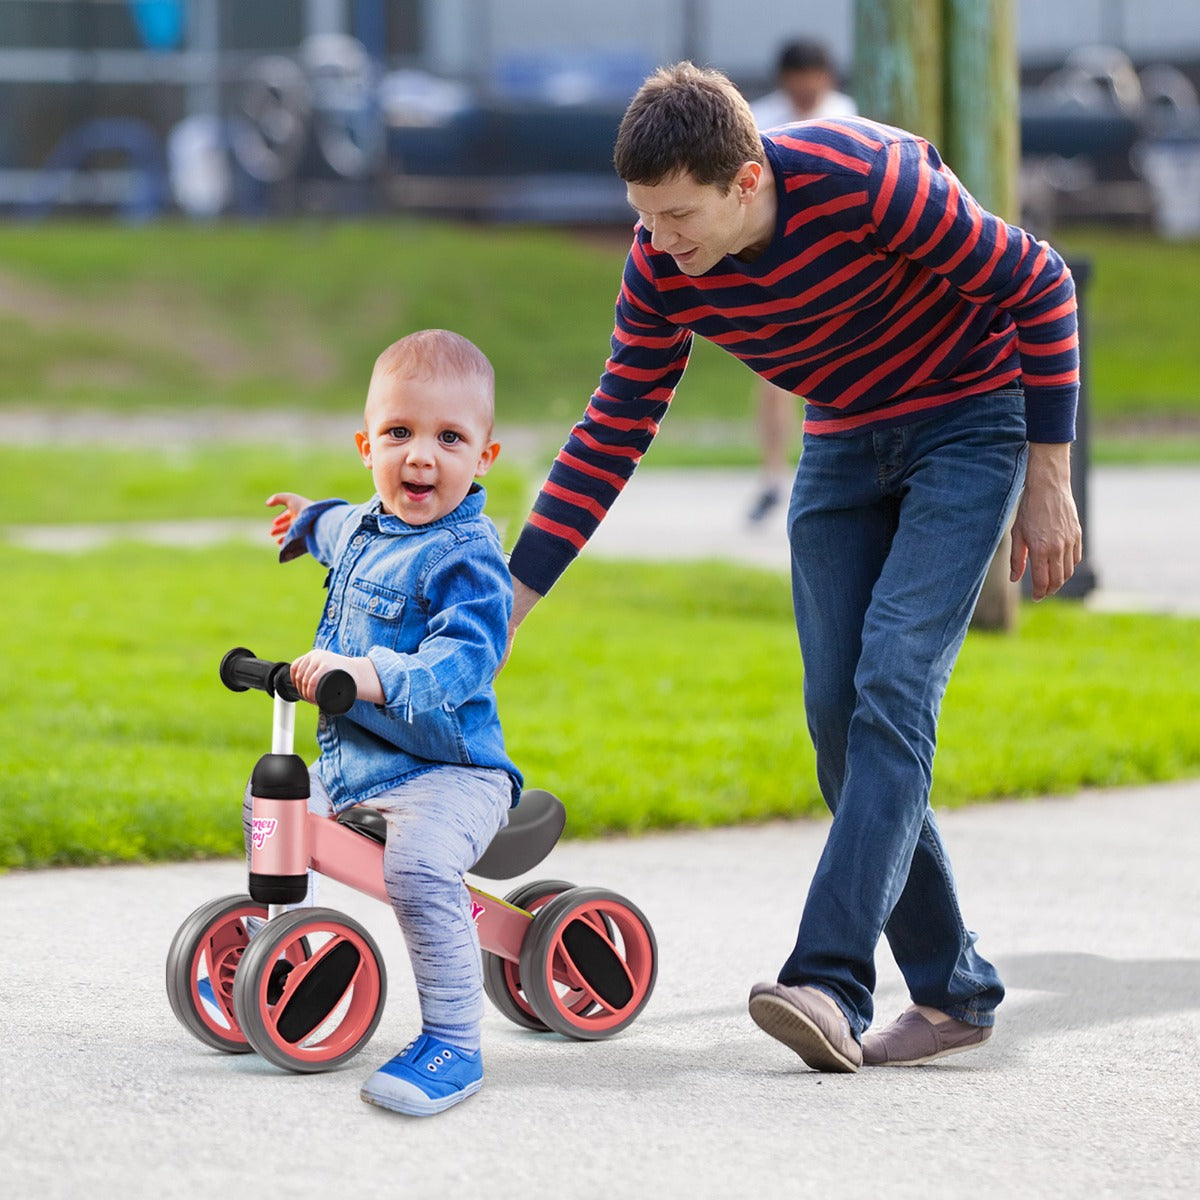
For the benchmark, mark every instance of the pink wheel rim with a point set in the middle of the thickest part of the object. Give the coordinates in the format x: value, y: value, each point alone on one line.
x: 360, y: 997
x: 629, y: 941
x: 222, y: 947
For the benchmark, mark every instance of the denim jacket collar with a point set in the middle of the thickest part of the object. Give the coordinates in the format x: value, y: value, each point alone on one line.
x: 468, y: 510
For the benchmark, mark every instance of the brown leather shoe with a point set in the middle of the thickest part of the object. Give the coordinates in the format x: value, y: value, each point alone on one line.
x: 913, y: 1039
x: 808, y: 1022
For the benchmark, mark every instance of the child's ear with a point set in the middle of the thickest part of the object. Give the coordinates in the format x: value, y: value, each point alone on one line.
x: 490, y: 453
x: 363, y: 442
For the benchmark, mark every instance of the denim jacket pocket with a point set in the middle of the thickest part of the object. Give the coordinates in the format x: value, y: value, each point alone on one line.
x: 374, y: 615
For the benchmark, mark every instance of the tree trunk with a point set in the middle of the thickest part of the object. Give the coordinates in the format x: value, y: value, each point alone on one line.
x: 898, y: 63
x: 980, y: 141
x: 947, y: 70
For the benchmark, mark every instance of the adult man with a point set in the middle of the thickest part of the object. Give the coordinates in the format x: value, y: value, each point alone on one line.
x: 842, y: 260
x: 806, y: 88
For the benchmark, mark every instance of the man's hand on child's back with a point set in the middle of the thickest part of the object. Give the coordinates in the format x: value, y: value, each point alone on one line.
x: 309, y: 669
x: 293, y: 506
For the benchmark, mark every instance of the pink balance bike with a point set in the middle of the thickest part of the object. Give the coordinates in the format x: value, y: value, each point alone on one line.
x: 308, y: 989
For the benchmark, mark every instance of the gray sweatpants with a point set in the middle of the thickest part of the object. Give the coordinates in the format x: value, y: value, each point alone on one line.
x: 439, y: 824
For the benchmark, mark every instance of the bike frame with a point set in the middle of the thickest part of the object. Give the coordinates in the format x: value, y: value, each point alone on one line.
x: 287, y: 840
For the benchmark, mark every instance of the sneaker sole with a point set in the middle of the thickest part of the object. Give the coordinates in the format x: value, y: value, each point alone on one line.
x: 787, y: 1024
x: 414, y: 1108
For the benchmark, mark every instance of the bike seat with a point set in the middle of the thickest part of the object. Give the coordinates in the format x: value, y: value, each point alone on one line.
x: 533, y: 828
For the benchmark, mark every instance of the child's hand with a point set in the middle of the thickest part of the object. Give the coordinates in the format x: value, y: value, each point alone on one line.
x: 311, y: 668
x: 293, y: 506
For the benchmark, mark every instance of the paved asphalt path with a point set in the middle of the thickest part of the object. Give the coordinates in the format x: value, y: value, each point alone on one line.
x: 1088, y: 1088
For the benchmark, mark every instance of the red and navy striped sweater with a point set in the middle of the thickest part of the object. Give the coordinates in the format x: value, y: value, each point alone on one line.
x: 885, y: 294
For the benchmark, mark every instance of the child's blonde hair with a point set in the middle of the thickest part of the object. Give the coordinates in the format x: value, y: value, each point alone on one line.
x: 430, y: 353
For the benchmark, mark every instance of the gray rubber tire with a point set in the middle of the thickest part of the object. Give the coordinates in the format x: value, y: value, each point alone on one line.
x: 343, y: 967
x: 215, y: 928
x: 501, y: 978
x: 616, y: 968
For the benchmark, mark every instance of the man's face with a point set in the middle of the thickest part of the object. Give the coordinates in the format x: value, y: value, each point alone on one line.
x: 806, y: 89
x: 425, y: 441
x: 697, y: 224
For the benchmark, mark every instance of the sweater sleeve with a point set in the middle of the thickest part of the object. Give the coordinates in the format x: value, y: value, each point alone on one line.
x: 647, y: 359
x: 920, y: 210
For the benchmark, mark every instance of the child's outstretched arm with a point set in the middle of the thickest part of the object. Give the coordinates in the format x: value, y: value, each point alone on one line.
x: 293, y: 506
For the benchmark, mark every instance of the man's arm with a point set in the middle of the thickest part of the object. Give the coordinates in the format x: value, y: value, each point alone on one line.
x: 524, y: 598
x: 646, y: 361
x: 1046, y: 533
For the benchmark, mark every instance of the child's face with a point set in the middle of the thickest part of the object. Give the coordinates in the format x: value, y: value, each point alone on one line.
x: 425, y: 441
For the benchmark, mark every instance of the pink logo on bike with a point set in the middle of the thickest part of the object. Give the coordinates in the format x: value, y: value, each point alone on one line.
x: 262, y: 828
x: 477, y: 911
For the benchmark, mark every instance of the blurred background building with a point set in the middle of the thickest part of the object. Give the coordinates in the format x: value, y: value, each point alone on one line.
x: 507, y: 109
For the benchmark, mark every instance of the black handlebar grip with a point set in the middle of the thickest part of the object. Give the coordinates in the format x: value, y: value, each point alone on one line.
x: 240, y: 670
x: 336, y: 693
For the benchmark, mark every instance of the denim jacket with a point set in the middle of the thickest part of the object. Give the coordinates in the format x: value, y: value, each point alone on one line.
x: 429, y: 606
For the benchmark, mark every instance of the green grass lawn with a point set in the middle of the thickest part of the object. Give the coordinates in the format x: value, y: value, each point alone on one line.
x: 645, y: 696
x: 289, y: 315
x: 1140, y: 307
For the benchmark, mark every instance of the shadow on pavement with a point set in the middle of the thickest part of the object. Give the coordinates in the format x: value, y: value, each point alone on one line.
x: 1084, y: 990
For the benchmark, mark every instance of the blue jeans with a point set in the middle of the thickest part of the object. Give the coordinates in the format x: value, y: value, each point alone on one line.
x: 892, y: 532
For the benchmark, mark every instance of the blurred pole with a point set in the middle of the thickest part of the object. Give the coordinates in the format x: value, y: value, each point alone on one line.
x: 980, y: 141
x: 324, y: 16
x: 203, y: 96
x: 1085, y: 578
x: 482, y: 49
x: 691, y: 26
x: 370, y: 27
x: 897, y: 74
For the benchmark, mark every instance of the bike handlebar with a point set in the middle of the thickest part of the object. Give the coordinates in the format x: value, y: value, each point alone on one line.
x: 240, y: 670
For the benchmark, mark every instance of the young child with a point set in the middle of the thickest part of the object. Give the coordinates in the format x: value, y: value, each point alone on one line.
x: 419, y: 598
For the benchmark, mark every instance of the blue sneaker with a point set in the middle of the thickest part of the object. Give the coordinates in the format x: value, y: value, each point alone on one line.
x: 208, y: 997
x: 428, y: 1076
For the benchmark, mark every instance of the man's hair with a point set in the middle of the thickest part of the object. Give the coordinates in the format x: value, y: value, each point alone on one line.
x: 804, y: 56
x: 686, y: 118
x: 430, y: 353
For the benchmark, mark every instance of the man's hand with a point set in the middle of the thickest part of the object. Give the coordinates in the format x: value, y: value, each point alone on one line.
x: 293, y: 506
x: 309, y: 669
x: 524, y: 598
x: 1046, y: 533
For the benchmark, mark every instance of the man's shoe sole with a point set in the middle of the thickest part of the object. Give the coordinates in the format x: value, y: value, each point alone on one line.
x: 928, y: 1058
x: 926, y: 1042
x: 787, y: 1024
